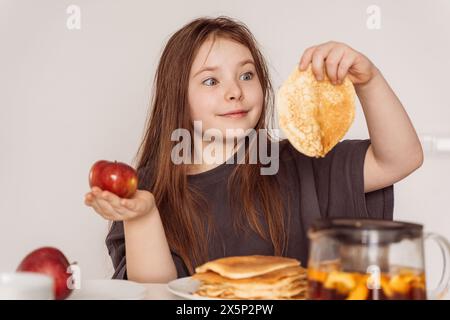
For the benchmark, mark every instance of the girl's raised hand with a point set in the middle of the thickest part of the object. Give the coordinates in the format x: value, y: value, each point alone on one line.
x: 339, y: 60
x: 112, y: 207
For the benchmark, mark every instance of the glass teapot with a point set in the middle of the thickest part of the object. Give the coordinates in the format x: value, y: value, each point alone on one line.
x: 362, y: 259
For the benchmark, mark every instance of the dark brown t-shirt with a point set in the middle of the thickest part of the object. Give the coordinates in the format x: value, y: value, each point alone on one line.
x: 326, y: 187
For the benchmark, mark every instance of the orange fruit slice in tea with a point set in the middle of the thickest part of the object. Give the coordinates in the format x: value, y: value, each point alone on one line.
x: 359, y: 293
x: 405, y: 280
x: 316, y: 275
x: 315, y: 115
x: 341, y: 281
x: 386, y: 287
x: 400, y: 283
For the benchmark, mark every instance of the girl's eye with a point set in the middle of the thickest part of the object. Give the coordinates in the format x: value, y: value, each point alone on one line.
x: 208, y: 81
x: 248, y: 77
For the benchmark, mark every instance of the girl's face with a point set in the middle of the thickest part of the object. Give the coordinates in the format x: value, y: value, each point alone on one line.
x: 222, y: 80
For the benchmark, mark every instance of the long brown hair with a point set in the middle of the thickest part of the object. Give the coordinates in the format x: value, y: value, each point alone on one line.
x: 181, y: 207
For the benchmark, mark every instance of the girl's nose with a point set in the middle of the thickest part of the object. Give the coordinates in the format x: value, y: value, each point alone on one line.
x: 234, y: 92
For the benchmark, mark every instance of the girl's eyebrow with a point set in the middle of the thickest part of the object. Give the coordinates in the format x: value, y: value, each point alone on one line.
x: 212, y: 68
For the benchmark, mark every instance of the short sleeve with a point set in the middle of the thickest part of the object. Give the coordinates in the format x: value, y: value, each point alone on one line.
x: 182, y: 269
x: 339, y: 178
x: 115, y: 242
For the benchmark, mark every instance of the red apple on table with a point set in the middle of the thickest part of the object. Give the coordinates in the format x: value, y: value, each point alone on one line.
x: 116, y: 177
x: 52, y: 262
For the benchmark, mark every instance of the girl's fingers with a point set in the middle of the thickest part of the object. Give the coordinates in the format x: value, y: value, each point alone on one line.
x: 88, y: 199
x: 126, y: 213
x: 332, y: 63
x: 318, y: 58
x: 105, y: 209
x: 317, y: 65
x: 106, y: 196
x: 110, y: 197
x: 118, y: 212
x: 101, y: 213
x: 96, y: 190
x: 306, y: 58
x: 139, y: 203
x: 120, y: 205
x: 130, y: 204
x: 330, y: 54
x: 309, y: 53
x: 345, y: 63
x: 102, y: 207
x: 112, y: 207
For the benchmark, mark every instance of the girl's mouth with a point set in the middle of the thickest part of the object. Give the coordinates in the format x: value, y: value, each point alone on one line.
x: 235, y: 114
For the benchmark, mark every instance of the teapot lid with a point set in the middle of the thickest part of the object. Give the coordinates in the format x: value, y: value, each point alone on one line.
x: 364, y: 231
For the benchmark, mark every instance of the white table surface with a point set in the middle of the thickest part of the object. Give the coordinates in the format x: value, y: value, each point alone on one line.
x: 159, y: 291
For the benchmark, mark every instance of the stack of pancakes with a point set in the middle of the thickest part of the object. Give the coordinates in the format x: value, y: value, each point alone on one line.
x: 252, y: 277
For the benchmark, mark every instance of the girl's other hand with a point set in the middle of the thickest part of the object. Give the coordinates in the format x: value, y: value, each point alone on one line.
x: 114, y: 208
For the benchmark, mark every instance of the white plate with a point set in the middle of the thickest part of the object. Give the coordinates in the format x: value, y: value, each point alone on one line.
x: 185, y: 287
x: 108, y: 290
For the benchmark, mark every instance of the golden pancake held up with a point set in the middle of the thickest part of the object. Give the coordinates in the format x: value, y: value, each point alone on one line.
x: 315, y: 115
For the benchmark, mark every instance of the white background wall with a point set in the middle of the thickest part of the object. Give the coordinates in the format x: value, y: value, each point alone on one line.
x: 71, y: 97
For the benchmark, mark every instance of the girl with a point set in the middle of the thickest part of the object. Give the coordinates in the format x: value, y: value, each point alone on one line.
x: 186, y: 214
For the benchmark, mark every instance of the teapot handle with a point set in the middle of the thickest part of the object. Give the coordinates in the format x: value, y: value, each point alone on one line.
x: 444, y: 283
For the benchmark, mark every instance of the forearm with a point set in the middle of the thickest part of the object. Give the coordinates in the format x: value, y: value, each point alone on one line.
x: 147, y: 252
x: 393, y: 137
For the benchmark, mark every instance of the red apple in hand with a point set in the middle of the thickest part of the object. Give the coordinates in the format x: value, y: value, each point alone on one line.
x: 116, y: 177
x: 51, y: 262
